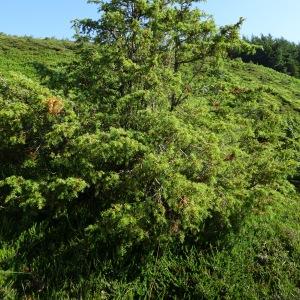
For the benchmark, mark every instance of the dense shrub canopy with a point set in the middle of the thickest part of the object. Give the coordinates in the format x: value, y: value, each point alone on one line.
x: 146, y: 152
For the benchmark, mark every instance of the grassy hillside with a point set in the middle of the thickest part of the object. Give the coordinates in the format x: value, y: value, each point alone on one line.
x: 51, y: 247
x: 284, y: 87
x: 26, y: 54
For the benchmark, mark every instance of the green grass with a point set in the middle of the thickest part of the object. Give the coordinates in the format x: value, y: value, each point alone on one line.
x: 249, y: 75
x: 26, y: 54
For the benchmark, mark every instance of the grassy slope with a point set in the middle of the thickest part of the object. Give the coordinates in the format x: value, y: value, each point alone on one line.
x: 287, y: 88
x: 26, y: 54
x: 269, y: 242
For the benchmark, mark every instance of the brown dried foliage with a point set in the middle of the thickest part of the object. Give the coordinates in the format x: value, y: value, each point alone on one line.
x: 175, y: 227
x: 55, y: 105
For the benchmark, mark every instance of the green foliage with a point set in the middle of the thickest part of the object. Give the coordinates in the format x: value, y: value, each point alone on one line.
x: 31, y: 56
x: 139, y: 52
x: 158, y: 174
x: 278, y: 54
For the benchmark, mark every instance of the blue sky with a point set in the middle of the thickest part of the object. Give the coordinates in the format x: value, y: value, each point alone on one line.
x: 278, y: 17
x: 47, y: 18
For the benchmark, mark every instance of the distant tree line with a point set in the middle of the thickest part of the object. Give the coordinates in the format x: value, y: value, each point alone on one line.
x: 276, y: 53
